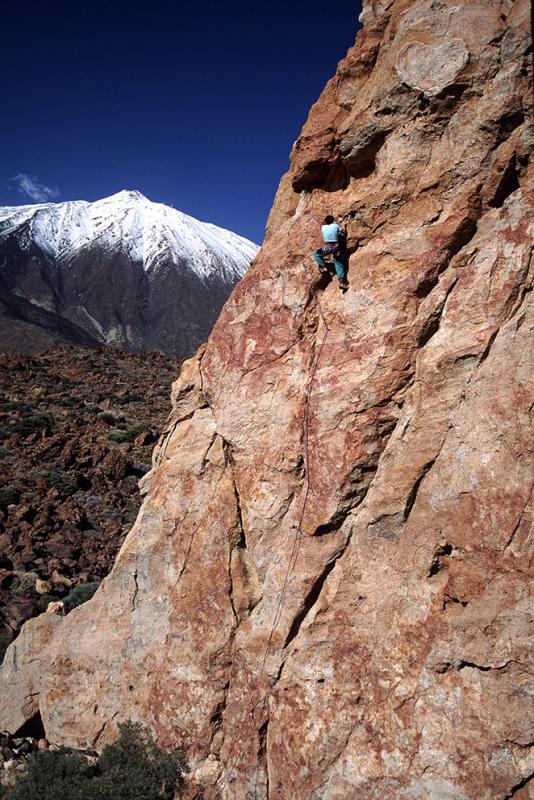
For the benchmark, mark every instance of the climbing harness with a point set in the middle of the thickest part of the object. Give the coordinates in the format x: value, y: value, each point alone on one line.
x: 329, y: 249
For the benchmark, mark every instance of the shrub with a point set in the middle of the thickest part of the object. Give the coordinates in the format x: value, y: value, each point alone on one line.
x: 42, y: 601
x: 110, y: 417
x: 30, y: 423
x: 9, y: 494
x: 118, y: 436
x: 134, y: 430
x: 80, y: 594
x: 69, y: 402
x: 138, y: 767
x: 132, y: 768
x: 52, y: 775
x: 58, y: 481
x: 10, y: 405
x: 24, y: 583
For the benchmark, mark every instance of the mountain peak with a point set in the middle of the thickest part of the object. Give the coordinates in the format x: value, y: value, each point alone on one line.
x: 129, y: 194
x: 119, y: 270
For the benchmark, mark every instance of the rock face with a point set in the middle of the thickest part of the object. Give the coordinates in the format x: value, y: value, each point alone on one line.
x: 325, y: 594
x: 122, y: 271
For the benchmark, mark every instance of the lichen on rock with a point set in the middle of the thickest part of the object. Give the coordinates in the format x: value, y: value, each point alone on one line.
x: 325, y: 594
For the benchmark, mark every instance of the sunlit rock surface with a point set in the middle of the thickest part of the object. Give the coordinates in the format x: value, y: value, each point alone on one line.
x: 326, y: 593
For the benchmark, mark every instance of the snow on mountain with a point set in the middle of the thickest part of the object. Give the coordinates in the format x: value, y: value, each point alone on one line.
x: 122, y: 270
x: 152, y: 233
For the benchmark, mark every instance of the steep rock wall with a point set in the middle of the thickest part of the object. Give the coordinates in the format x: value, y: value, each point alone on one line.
x: 325, y: 594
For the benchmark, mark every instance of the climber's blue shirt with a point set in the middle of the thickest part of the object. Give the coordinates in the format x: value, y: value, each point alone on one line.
x: 330, y: 232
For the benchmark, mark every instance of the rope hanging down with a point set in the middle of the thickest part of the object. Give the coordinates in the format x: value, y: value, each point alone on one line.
x: 298, y: 534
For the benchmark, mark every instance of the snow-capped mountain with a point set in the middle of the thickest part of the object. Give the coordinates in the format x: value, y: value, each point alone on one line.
x: 121, y: 271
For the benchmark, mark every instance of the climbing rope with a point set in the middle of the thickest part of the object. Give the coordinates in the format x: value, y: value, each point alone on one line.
x: 295, y: 546
x: 298, y: 534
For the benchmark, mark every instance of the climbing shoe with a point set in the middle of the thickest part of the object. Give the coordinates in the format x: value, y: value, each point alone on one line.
x: 343, y: 285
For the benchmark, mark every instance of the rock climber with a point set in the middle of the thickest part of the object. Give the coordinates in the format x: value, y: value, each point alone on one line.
x: 331, y: 234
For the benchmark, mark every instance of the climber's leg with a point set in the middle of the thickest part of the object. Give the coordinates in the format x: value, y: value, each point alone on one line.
x: 319, y: 260
x: 340, y: 267
x: 340, y: 272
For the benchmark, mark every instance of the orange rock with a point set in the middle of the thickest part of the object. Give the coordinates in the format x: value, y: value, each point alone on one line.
x: 325, y: 594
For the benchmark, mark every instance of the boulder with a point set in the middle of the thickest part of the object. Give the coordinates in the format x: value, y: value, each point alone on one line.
x: 19, y: 699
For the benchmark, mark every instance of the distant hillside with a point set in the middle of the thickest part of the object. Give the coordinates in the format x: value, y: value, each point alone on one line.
x: 77, y: 429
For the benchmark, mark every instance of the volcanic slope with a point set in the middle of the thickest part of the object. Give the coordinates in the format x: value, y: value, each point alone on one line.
x: 121, y: 271
x: 325, y: 594
x: 77, y: 428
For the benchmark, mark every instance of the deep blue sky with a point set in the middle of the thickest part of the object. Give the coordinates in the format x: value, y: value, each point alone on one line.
x: 195, y: 104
